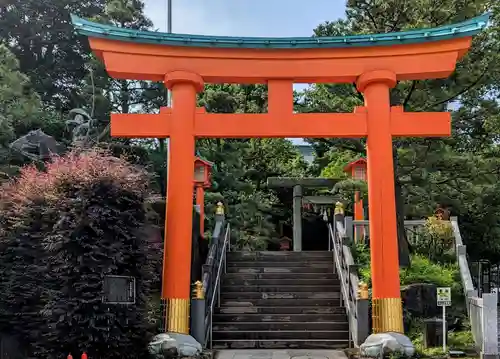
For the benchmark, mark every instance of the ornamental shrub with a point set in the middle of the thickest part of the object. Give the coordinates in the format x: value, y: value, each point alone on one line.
x: 62, y: 230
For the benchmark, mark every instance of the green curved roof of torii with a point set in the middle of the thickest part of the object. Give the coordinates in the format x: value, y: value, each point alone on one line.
x: 467, y: 28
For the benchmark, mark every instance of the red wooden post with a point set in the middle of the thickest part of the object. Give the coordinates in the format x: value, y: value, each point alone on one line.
x: 357, y: 169
x: 84, y: 355
x: 202, y: 172
x: 70, y: 356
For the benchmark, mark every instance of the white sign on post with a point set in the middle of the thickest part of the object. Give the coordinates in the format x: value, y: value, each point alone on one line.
x: 443, y: 297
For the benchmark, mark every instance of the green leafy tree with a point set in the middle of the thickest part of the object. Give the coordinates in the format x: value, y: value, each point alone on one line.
x: 103, y: 94
x: 19, y: 107
x: 20, y: 112
x: 241, y: 167
x: 41, y: 36
x: 455, y: 172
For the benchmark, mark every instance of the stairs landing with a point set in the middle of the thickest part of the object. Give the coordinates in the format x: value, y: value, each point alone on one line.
x: 280, y: 354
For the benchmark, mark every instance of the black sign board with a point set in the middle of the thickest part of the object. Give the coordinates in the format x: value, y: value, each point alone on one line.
x: 118, y: 290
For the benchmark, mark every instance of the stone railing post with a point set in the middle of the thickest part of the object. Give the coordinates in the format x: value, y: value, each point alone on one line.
x: 349, y: 228
x: 219, y: 223
x: 363, y: 314
x: 297, y: 218
x: 489, y: 349
x: 213, y: 252
x: 198, y: 313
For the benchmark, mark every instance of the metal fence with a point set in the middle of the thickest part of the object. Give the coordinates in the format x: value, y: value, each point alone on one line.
x: 481, y: 308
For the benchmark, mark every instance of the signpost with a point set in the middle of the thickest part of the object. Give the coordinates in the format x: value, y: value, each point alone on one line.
x: 443, y: 297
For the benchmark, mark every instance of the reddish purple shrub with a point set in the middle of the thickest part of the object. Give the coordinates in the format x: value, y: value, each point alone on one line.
x: 61, y: 231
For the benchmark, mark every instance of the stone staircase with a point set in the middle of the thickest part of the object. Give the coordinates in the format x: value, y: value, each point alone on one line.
x: 498, y: 328
x: 280, y: 300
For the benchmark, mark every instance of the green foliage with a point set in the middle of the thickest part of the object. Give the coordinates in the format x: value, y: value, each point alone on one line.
x: 103, y: 94
x: 62, y: 230
x: 126, y: 13
x: 242, y: 166
x: 46, y: 46
x: 361, y: 254
x: 461, y: 340
x: 337, y: 162
x: 435, y: 240
x: 20, y: 112
x: 460, y: 172
x: 422, y: 270
x: 18, y: 105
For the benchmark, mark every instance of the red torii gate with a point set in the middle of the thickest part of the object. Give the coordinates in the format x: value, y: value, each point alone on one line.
x: 374, y: 62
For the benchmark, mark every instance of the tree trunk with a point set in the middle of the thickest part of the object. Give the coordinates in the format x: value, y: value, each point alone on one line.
x: 162, y: 174
x: 403, y: 245
x: 124, y: 96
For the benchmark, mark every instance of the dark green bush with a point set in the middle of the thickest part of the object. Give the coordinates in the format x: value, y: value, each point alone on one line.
x: 63, y: 230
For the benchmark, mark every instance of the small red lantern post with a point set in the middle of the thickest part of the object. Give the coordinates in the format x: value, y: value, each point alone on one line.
x: 202, y: 172
x: 357, y: 170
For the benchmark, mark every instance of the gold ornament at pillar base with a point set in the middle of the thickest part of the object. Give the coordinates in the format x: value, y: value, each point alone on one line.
x: 178, y: 315
x: 387, y: 315
x: 198, y: 290
x: 339, y: 208
x: 363, y: 291
x: 220, y: 208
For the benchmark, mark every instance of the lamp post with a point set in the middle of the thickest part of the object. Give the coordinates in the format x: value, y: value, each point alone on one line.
x: 202, y: 172
x: 357, y: 170
x: 169, y: 16
x: 169, y: 30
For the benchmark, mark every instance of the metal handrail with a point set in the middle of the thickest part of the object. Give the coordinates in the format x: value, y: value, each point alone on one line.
x: 338, y: 265
x: 216, y: 283
x: 213, y: 256
x: 344, y: 284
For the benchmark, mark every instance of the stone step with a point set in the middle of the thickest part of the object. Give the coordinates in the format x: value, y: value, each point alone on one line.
x: 278, y: 276
x: 287, y: 302
x: 279, y: 261
x: 280, y: 288
x: 237, y: 281
x: 284, y: 263
x: 340, y: 317
x: 280, y: 334
x: 281, y: 344
x: 281, y: 310
x: 277, y: 264
x: 243, y: 296
x: 283, y: 270
x: 280, y: 256
x: 269, y: 326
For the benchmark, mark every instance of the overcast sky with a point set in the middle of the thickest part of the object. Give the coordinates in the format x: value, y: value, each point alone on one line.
x: 245, y: 17
x: 271, y: 18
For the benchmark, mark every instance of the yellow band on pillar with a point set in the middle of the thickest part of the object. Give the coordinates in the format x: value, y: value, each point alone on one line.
x: 178, y: 315
x: 387, y: 315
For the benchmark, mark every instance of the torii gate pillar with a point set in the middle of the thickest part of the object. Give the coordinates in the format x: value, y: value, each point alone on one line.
x: 176, y: 278
x: 386, y: 296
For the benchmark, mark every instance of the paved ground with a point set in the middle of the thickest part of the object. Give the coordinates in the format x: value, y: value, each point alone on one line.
x: 280, y: 354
